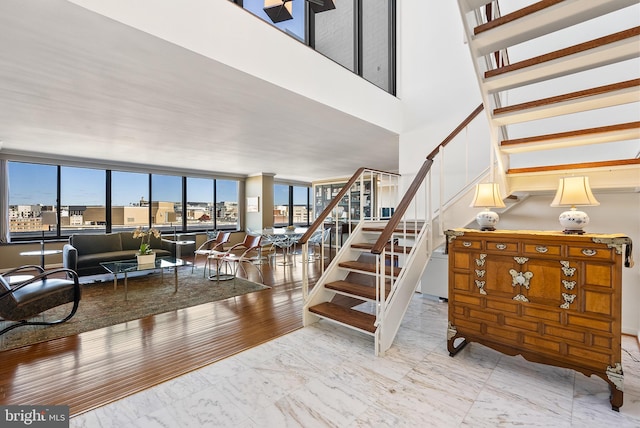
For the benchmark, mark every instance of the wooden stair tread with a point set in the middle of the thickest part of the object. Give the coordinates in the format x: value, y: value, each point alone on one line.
x: 360, y: 290
x: 368, y: 267
x: 357, y: 319
x: 572, y: 102
x: 398, y: 230
x: 561, y: 53
x: 603, y: 164
x: 396, y: 248
x: 602, y: 134
x: 538, y: 19
x: 517, y: 14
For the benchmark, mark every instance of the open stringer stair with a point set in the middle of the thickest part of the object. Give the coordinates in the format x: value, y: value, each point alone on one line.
x: 370, y: 292
x: 560, y: 81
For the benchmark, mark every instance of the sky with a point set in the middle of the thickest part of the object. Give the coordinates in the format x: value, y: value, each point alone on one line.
x: 36, y: 184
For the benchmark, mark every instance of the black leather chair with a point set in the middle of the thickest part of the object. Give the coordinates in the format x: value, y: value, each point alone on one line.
x: 26, y: 296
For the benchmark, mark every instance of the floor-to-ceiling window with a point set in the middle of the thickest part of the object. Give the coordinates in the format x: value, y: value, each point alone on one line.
x: 56, y: 201
x: 33, y: 197
x: 166, y: 205
x: 301, y: 205
x: 227, y: 197
x: 290, y: 205
x: 200, y: 203
x: 294, y: 26
x: 129, y: 200
x: 82, y: 200
x: 357, y: 34
x: 280, y: 205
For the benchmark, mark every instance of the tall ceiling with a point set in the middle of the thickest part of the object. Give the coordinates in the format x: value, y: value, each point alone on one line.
x: 78, y: 86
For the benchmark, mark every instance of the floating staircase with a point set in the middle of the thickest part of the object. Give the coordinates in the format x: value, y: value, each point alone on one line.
x: 559, y: 108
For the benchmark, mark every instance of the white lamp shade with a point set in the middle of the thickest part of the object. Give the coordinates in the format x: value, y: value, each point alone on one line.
x: 487, y: 196
x: 574, y: 191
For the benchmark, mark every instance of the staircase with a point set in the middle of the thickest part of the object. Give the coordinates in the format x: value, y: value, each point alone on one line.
x: 551, y: 114
x: 569, y: 105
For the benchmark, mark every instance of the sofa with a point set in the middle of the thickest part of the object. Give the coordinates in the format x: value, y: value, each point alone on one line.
x: 85, y: 252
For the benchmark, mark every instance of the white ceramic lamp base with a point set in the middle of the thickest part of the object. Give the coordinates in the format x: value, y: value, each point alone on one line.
x: 573, y: 221
x: 487, y: 220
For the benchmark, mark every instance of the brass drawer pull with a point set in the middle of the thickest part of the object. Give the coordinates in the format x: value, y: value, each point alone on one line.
x: 466, y: 244
x: 541, y: 249
x: 501, y: 246
x: 589, y: 252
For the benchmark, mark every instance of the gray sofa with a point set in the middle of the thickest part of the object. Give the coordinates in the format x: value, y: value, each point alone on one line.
x: 85, y: 252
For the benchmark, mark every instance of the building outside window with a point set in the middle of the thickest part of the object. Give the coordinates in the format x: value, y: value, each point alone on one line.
x: 129, y: 200
x: 34, y: 190
x: 166, y: 202
x: 32, y: 199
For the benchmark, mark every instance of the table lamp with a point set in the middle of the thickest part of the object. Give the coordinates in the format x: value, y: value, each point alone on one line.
x: 573, y: 191
x: 487, y: 196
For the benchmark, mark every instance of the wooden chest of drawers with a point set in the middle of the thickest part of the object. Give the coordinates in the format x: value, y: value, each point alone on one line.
x: 550, y: 297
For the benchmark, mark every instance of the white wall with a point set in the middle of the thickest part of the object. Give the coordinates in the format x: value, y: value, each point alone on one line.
x: 436, y: 81
x: 617, y: 213
x: 222, y: 31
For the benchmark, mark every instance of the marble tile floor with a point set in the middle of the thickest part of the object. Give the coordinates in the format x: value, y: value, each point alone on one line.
x: 327, y: 376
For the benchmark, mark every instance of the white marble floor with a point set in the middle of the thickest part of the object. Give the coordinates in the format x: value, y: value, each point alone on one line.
x: 327, y: 376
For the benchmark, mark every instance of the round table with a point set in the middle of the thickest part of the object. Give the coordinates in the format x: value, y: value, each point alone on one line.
x: 41, y: 253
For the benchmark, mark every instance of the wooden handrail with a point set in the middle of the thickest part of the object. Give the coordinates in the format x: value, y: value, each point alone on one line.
x: 456, y: 131
x: 325, y: 213
x: 405, y: 203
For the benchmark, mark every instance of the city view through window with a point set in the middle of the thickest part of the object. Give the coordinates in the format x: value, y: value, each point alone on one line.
x: 33, y: 195
x: 211, y: 204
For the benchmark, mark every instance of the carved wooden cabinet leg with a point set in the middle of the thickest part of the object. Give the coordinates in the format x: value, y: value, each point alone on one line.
x: 615, y: 378
x: 452, y: 336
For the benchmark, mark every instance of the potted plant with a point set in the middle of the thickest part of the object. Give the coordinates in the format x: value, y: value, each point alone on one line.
x: 145, y: 254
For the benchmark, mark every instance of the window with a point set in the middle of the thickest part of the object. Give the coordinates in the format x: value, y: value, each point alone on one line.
x: 227, y: 216
x: 136, y: 199
x: 280, y: 205
x: 129, y: 200
x: 357, y: 34
x: 166, y: 202
x: 200, y: 203
x: 290, y: 205
x: 377, y: 39
x: 294, y: 27
x: 32, y: 199
x: 335, y: 32
x: 82, y: 200
x: 301, y: 205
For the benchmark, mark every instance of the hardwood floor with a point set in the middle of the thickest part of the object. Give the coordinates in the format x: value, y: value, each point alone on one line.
x: 97, y: 367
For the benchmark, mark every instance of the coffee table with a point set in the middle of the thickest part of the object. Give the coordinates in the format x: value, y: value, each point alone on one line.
x: 131, y: 265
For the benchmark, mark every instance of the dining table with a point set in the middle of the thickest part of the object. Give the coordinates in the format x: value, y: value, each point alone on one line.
x: 286, y: 239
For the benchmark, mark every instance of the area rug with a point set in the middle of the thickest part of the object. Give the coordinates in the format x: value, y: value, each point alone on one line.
x: 102, y: 306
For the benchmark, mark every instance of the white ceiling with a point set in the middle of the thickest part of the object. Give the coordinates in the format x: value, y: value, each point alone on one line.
x: 76, y: 85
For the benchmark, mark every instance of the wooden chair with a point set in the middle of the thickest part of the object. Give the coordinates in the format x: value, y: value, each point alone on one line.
x: 215, y: 244
x: 26, y: 296
x: 247, y: 251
